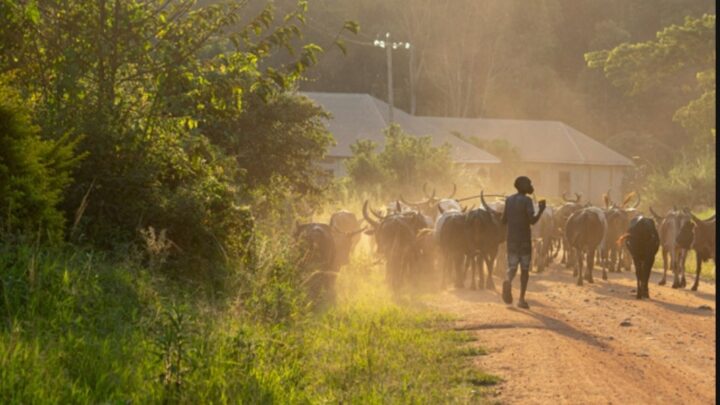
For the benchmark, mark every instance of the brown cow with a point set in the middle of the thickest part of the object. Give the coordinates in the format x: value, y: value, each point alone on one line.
x: 703, y: 244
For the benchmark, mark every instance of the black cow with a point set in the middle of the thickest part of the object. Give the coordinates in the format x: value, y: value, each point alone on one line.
x: 451, y: 238
x: 317, y: 250
x: 395, y: 236
x: 585, y: 233
x: 642, y: 241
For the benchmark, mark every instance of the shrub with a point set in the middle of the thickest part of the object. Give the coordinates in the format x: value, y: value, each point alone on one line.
x: 405, y: 163
x: 33, y: 172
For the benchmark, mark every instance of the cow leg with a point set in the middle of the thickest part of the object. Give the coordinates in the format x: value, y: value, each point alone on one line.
x: 698, y: 267
x: 590, y: 265
x: 664, y: 259
x: 647, y: 269
x: 459, y: 268
x: 540, y: 258
x: 639, y: 279
x: 473, y: 263
x: 683, y: 259
x: 675, y: 267
x: 578, y: 270
x: 489, y: 284
x: 613, y: 266
x: 479, y: 262
x: 604, y: 273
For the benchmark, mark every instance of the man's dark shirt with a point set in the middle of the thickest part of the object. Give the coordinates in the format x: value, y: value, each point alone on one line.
x: 518, y: 216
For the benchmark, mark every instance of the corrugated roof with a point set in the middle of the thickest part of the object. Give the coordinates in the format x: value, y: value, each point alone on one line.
x: 361, y: 116
x: 536, y: 141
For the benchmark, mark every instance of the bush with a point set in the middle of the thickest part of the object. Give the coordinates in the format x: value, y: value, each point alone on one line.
x: 405, y: 163
x: 33, y: 172
x: 689, y: 183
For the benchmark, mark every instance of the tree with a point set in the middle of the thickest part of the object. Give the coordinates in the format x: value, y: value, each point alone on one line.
x: 405, y: 163
x: 681, y: 56
x: 33, y: 172
x: 179, y: 105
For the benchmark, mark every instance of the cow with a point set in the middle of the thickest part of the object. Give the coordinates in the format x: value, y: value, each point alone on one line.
x: 703, y: 244
x: 426, y: 249
x: 342, y: 222
x: 486, y: 233
x: 670, y: 227
x: 323, y: 249
x: 543, y: 234
x: 642, y: 241
x: 618, y: 218
x: 395, y: 236
x: 562, y: 214
x: 585, y: 232
x: 450, y: 238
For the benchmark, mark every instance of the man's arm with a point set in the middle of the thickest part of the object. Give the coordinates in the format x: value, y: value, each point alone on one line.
x: 531, y: 210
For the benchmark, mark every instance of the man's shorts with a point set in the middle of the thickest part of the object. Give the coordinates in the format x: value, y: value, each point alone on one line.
x: 518, y: 253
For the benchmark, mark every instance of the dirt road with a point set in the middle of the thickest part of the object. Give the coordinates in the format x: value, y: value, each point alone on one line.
x: 570, y: 347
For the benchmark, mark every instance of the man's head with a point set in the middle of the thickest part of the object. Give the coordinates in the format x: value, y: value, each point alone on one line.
x: 524, y: 185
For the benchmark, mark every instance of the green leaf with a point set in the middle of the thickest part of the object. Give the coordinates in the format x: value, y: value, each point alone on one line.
x: 351, y: 26
x: 341, y: 44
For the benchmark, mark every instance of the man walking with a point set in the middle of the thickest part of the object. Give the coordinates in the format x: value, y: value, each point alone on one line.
x: 518, y: 216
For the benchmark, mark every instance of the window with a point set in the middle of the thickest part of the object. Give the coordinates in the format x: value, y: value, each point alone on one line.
x: 564, y: 182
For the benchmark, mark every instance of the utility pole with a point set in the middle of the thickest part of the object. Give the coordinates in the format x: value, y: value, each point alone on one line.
x: 389, y: 47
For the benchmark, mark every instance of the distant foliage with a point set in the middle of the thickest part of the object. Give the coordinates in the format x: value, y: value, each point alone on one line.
x: 681, y: 55
x: 33, y: 172
x: 405, y: 163
x: 691, y: 182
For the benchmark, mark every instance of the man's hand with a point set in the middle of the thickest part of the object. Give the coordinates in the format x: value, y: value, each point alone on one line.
x: 541, y: 205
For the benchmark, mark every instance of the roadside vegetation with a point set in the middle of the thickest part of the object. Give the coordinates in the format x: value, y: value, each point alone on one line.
x: 83, y: 327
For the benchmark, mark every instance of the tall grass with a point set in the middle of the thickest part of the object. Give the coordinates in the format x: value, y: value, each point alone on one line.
x: 79, y: 327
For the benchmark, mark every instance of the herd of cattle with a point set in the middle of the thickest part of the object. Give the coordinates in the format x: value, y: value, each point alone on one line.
x: 416, y: 238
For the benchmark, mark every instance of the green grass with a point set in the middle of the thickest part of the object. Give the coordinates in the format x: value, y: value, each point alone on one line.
x: 78, y: 327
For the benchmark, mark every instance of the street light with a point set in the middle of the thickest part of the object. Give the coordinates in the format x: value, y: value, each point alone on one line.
x: 389, y: 46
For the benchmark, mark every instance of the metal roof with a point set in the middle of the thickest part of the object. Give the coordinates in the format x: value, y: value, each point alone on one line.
x: 361, y: 116
x: 537, y: 141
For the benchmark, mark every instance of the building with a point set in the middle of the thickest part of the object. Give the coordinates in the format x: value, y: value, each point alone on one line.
x: 556, y: 156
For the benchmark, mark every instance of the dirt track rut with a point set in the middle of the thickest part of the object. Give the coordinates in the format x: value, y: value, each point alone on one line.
x: 570, y: 347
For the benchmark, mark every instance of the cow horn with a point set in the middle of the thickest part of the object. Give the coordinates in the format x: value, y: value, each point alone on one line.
x: 454, y: 191
x: 564, y: 196
x: 657, y: 217
x: 411, y: 203
x: 606, y: 199
x: 578, y: 197
x: 425, y: 190
x: 637, y: 200
x: 367, y: 217
x: 484, y: 204
x: 398, y: 207
x: 695, y: 219
x: 353, y: 233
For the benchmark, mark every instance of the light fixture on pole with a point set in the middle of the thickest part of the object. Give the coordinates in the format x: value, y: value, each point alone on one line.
x: 389, y: 46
